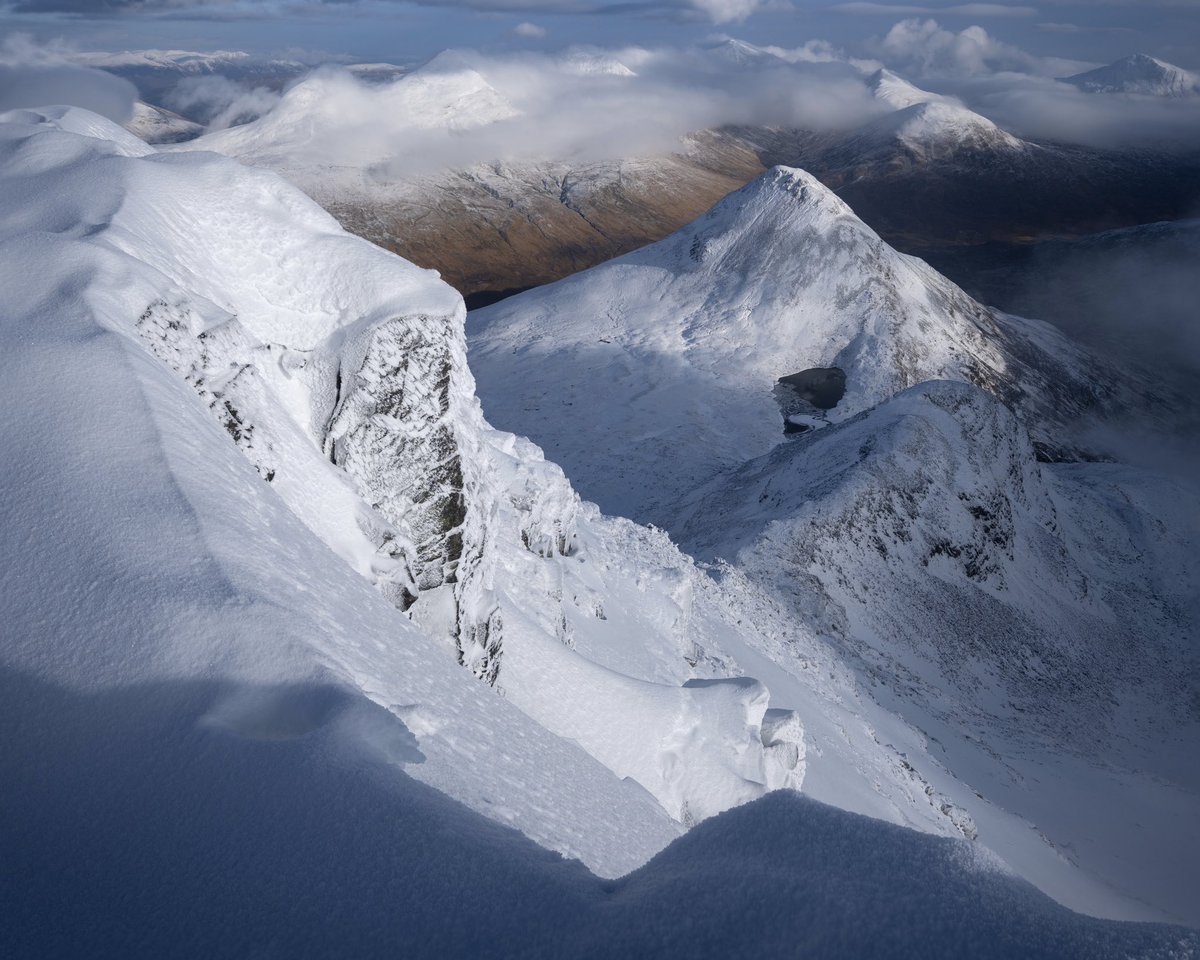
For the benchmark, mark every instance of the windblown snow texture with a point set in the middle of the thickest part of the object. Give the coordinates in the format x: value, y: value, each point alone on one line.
x: 235, y: 710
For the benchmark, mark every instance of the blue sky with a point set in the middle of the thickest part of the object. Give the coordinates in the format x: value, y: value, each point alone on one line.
x: 1092, y: 30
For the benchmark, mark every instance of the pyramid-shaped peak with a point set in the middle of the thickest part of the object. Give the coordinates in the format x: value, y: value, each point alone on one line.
x: 1138, y: 73
x: 782, y: 197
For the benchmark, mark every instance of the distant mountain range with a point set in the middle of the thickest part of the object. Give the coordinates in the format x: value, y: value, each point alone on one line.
x: 929, y: 174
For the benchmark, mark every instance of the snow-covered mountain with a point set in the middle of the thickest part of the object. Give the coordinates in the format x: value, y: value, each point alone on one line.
x: 339, y: 373
x: 923, y: 127
x: 647, y: 376
x: 437, y: 167
x: 372, y: 155
x: 175, y: 61
x: 265, y: 554
x: 1033, y: 621
x: 159, y: 125
x: 1140, y: 74
x: 1037, y: 621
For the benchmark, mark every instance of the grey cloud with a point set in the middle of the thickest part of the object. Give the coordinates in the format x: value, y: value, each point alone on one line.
x: 219, y: 101
x: 1043, y: 108
x: 38, y: 76
x: 582, y: 107
x: 716, y: 11
x: 961, y: 10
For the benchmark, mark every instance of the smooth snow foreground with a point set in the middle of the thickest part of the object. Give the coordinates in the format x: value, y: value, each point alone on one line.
x: 264, y: 691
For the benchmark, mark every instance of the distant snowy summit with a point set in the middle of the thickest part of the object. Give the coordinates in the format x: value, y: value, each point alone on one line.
x: 160, y: 125
x: 1140, y: 74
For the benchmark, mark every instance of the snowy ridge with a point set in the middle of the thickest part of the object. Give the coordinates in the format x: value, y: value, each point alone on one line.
x: 347, y: 390
x: 911, y: 527
x: 675, y: 348
x: 184, y: 61
x: 1043, y: 611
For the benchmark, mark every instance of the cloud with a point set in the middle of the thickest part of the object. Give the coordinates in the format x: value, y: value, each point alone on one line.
x: 960, y: 10
x: 727, y: 11
x: 529, y: 30
x: 34, y: 75
x: 220, y: 102
x: 926, y: 49
x: 582, y: 105
x: 1045, y: 109
x: 716, y: 11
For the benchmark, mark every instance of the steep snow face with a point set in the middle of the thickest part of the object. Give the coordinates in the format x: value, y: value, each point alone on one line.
x: 339, y: 371
x: 648, y: 375
x: 1138, y: 74
x: 1037, y: 621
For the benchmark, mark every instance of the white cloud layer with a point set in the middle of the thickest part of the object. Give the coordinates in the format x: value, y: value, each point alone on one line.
x: 219, y: 101
x: 529, y: 30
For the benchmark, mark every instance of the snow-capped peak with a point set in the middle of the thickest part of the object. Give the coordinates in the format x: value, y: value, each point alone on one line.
x: 941, y: 124
x: 672, y: 354
x: 1139, y: 74
x: 897, y: 92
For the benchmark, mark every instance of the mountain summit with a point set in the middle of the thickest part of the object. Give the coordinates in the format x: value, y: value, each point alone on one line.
x: 673, y: 355
x: 1138, y: 73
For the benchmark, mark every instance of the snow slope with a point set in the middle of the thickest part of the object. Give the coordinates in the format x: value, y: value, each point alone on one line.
x: 964, y: 589
x: 647, y: 376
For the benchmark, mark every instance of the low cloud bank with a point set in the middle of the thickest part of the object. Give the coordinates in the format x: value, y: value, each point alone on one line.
x: 36, y: 75
x: 220, y: 102
x: 582, y: 105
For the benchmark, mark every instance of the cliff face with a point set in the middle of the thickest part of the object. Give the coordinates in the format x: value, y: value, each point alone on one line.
x: 339, y: 372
